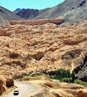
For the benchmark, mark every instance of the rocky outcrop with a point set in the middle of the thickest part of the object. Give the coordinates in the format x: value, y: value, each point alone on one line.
x: 2, y: 89
x: 9, y: 83
x: 71, y: 54
x: 82, y: 69
x: 82, y: 94
x: 5, y: 84
x: 38, y: 55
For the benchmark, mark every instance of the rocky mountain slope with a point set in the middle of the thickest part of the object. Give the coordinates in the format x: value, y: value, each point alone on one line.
x: 6, y: 15
x: 29, y: 48
x: 71, y: 10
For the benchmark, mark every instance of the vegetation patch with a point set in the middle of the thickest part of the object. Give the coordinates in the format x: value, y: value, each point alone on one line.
x: 66, y: 76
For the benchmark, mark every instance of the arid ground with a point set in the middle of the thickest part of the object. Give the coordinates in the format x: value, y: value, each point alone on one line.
x: 28, y: 48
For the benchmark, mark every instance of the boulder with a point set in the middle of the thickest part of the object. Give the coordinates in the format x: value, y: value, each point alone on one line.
x: 38, y: 55
x: 82, y: 93
x: 9, y: 83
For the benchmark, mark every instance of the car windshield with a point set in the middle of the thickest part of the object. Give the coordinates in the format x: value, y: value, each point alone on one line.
x: 16, y: 91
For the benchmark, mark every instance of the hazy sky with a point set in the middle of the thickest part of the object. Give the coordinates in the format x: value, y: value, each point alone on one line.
x: 35, y: 4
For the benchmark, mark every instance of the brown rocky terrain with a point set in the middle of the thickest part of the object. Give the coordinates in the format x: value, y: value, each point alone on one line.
x: 27, y: 48
x: 5, y: 84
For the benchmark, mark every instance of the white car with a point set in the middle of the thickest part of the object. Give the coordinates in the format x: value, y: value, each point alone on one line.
x: 16, y: 92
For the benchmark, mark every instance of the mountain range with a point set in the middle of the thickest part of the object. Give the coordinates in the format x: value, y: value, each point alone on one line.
x: 70, y: 10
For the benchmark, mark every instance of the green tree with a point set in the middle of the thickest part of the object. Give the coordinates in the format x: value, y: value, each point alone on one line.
x: 73, y: 77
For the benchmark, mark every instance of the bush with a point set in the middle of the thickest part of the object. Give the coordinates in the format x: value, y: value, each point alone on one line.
x: 35, y: 74
x: 63, y: 75
x: 73, y: 77
x: 80, y: 82
x: 68, y: 80
x: 60, y: 73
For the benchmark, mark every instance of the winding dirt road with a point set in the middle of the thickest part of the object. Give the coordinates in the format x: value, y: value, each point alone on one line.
x: 25, y: 89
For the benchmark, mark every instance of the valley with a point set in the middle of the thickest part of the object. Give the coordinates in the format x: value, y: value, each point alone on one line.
x: 43, y: 52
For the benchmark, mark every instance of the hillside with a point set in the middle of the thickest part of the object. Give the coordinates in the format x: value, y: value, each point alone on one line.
x: 71, y: 10
x: 47, y: 47
x: 6, y: 15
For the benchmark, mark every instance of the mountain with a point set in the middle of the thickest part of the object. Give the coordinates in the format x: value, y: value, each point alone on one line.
x: 27, y: 13
x: 71, y: 10
x: 6, y: 15
x: 17, y: 10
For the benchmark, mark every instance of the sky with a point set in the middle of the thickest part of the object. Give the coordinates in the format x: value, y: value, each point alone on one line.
x: 33, y: 4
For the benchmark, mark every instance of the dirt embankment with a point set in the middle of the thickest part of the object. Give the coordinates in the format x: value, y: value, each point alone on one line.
x: 53, y: 88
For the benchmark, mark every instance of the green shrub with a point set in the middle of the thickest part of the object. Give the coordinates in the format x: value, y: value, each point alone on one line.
x: 35, y: 74
x: 80, y: 82
x: 68, y: 80
x: 60, y: 73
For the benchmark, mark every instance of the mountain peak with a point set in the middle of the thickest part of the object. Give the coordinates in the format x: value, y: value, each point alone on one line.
x: 26, y: 13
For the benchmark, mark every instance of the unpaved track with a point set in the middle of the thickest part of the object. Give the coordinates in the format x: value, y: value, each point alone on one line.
x: 25, y: 89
